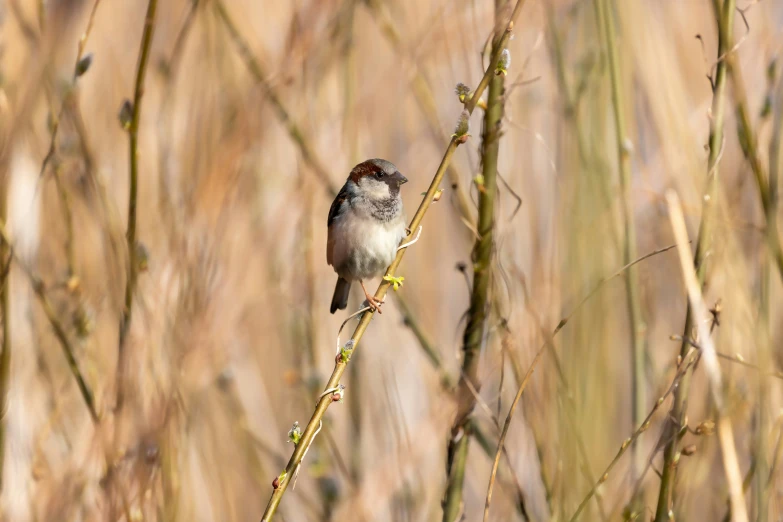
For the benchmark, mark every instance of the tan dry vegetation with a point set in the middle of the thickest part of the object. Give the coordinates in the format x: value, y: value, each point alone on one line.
x: 231, y: 341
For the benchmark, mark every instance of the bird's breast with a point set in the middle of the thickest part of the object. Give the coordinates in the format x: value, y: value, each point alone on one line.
x: 364, y: 246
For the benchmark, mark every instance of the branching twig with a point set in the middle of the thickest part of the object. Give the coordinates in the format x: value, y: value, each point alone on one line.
x: 340, y: 366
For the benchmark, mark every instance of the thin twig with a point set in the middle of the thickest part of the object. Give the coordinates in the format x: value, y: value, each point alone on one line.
x: 133, y: 140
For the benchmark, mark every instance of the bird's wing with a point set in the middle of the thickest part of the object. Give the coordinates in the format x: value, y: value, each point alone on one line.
x: 334, y: 211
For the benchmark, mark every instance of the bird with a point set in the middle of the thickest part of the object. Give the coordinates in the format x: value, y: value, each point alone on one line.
x: 366, y: 225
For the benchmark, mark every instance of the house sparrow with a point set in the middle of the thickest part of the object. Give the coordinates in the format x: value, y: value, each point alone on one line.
x: 366, y: 225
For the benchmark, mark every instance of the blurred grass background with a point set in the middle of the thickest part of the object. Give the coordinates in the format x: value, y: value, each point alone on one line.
x: 231, y: 340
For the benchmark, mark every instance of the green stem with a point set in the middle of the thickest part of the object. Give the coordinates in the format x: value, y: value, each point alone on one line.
x: 725, y: 18
x: 638, y: 395
x: 473, y: 337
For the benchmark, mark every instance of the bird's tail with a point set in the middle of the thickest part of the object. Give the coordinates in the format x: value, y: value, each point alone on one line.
x: 340, y: 297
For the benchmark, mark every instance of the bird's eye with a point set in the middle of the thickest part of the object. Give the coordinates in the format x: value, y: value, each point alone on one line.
x: 379, y: 174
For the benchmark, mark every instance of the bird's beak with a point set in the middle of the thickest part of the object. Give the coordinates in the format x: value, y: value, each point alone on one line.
x: 400, y: 178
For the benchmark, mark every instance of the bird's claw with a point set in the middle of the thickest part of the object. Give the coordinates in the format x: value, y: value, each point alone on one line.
x: 374, y: 304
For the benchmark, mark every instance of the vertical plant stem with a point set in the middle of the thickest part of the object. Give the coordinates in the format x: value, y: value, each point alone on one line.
x: 133, y: 141
x: 725, y: 17
x: 483, y: 250
x: 638, y: 391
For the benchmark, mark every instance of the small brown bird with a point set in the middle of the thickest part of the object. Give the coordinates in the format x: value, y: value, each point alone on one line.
x: 366, y: 225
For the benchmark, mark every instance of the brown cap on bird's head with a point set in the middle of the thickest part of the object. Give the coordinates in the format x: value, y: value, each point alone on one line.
x: 381, y: 170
